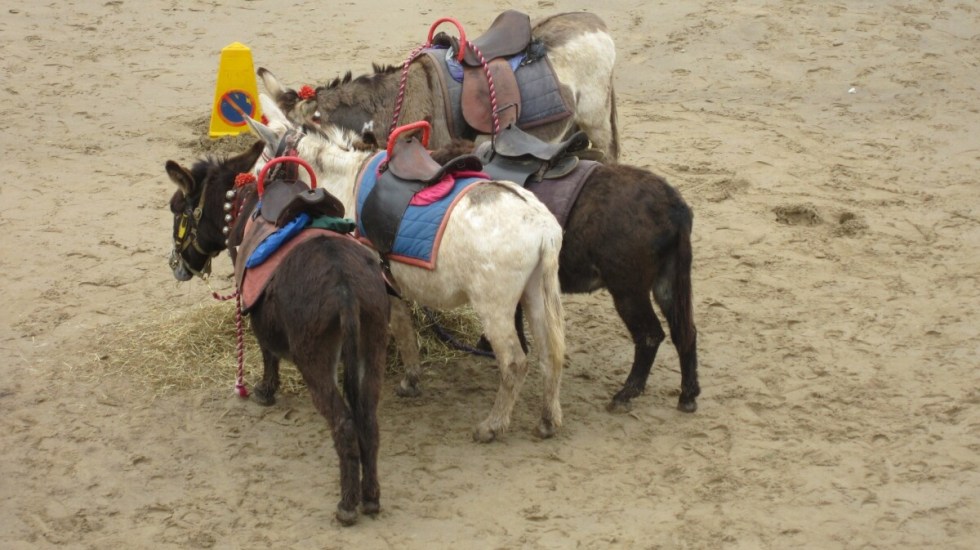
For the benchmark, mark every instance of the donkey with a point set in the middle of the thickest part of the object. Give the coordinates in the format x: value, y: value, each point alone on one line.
x: 325, y: 306
x: 499, y: 248
x: 629, y: 231
x: 577, y: 45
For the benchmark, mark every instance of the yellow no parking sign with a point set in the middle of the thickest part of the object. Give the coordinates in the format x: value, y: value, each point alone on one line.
x: 236, y: 93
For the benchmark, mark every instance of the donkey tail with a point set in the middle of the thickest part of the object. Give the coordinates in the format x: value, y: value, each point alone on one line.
x: 553, y: 309
x: 350, y: 337
x: 681, y: 311
x: 613, y: 124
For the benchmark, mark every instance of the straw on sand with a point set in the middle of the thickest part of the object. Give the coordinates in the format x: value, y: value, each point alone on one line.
x: 196, y: 349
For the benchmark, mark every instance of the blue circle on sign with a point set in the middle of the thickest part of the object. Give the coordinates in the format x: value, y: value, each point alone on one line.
x: 234, y: 106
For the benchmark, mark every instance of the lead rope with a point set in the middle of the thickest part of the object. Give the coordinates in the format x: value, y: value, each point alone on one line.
x: 493, y: 89
x: 451, y: 340
x: 403, y: 83
x: 240, y: 387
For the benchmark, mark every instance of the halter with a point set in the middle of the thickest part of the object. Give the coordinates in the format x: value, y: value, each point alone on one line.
x: 187, y: 238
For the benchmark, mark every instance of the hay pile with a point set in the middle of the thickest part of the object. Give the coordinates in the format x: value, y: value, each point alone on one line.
x: 183, y: 350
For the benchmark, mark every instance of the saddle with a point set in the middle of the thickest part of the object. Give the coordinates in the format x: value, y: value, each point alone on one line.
x: 408, y: 170
x: 508, y: 35
x: 517, y: 156
x: 285, y: 199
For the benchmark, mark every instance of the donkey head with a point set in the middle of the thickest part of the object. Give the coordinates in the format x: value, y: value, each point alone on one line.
x: 320, y: 142
x: 199, y: 213
x: 354, y: 104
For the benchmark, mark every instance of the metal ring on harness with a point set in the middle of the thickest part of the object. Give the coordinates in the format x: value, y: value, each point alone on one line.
x: 278, y: 160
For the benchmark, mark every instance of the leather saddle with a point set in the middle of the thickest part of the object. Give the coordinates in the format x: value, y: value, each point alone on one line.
x: 284, y: 199
x: 409, y: 170
x: 508, y: 35
x: 514, y: 155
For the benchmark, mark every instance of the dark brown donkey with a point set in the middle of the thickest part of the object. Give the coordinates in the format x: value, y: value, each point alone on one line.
x: 628, y: 231
x: 325, y: 306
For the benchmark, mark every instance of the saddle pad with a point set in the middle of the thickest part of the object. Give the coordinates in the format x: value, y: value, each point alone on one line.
x: 273, y: 242
x: 559, y: 195
x: 541, y: 98
x: 254, y: 279
x: 421, y: 227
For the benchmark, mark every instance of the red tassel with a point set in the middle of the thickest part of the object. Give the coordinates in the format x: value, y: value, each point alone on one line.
x: 244, y: 179
x: 306, y: 92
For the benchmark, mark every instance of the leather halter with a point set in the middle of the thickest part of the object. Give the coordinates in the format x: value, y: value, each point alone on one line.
x: 187, y: 238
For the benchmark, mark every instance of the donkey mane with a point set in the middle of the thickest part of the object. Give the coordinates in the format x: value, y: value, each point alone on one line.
x: 384, y: 69
x: 377, y: 71
x: 340, y: 80
x: 334, y: 135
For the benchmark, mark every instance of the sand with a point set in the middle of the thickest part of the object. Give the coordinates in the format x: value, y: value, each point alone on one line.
x: 830, y: 152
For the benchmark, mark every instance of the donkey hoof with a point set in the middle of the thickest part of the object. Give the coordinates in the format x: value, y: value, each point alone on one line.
x: 546, y: 429
x: 484, y: 433
x: 264, y: 398
x: 346, y: 517
x: 371, y: 508
x: 407, y: 389
x: 687, y: 405
x: 619, y: 406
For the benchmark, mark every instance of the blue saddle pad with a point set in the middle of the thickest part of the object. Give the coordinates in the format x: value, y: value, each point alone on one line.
x: 417, y: 240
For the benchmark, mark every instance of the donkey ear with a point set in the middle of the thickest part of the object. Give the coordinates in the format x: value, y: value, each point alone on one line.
x: 271, y: 83
x: 272, y: 111
x: 244, y: 162
x: 182, y: 177
x: 264, y: 133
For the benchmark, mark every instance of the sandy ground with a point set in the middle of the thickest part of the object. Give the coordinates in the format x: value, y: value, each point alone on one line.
x: 830, y: 151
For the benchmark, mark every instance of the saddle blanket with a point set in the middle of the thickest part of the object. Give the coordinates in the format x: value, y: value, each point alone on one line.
x: 420, y: 232
x: 559, y: 195
x: 255, y: 279
x: 264, y: 246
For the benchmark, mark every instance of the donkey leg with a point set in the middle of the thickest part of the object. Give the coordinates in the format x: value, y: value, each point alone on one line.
x: 636, y: 310
x: 328, y: 401
x: 513, y: 370
x: 690, y: 389
x: 403, y: 332
x: 264, y: 392
x: 366, y: 416
x: 684, y: 336
x: 484, y: 345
